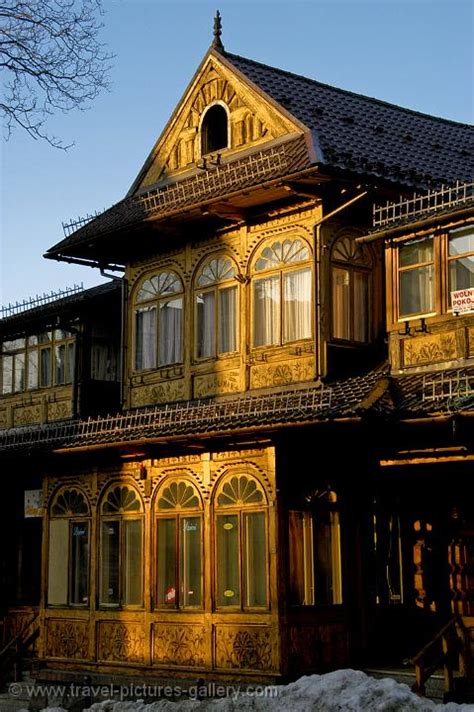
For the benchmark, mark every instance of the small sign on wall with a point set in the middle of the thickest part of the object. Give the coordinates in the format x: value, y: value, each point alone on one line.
x: 462, y: 301
x: 34, y: 506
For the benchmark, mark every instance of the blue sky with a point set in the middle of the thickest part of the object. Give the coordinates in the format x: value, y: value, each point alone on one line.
x: 415, y: 53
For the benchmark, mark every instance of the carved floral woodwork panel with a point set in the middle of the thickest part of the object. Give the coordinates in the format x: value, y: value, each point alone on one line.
x: 244, y: 648
x: 217, y: 383
x: 317, y: 647
x: 278, y: 374
x: 59, y: 410
x: 67, y: 639
x: 180, y: 644
x: 27, y: 415
x: 165, y: 392
x: 428, y: 349
x: 121, y: 642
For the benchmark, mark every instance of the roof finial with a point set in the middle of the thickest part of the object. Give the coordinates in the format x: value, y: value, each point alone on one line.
x: 217, y: 42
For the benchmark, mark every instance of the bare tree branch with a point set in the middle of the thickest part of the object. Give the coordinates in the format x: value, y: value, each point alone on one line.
x: 51, y: 59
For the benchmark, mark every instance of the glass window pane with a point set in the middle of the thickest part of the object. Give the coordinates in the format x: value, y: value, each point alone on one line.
x: 228, y: 577
x: 7, y: 374
x: 266, y: 310
x: 15, y: 345
x: 361, y: 306
x: 255, y: 561
x: 145, y: 338
x: 327, y: 559
x: 416, y: 252
x: 71, y: 354
x: 60, y: 364
x: 191, y: 569
x: 19, y: 368
x: 45, y: 374
x: 298, y: 574
x: 170, y: 336
x: 79, y: 563
x: 341, y: 304
x: 132, y: 562
x: 417, y: 291
x: 297, y: 305
x: 461, y: 241
x: 33, y: 369
x: 58, y: 562
x: 45, y: 337
x: 109, y: 565
x: 227, y: 327
x: 461, y: 274
x: 206, y: 340
x: 166, y: 562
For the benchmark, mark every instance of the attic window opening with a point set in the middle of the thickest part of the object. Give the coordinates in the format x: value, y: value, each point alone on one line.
x: 214, y: 132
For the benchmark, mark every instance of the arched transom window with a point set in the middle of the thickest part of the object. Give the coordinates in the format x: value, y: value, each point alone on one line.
x: 350, y: 272
x: 69, y: 541
x: 216, y: 308
x: 179, y: 546
x: 282, y: 295
x: 241, y: 555
x: 121, y: 547
x: 159, y: 321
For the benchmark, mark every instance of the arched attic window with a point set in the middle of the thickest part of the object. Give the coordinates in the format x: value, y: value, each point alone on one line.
x: 214, y: 133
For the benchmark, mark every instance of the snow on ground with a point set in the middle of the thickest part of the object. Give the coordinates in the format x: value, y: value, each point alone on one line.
x: 342, y: 691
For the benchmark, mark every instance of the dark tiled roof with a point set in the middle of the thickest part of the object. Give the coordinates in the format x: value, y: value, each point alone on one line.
x: 59, y: 306
x: 366, y: 135
x: 160, y: 202
x: 434, y: 393
x: 310, y: 403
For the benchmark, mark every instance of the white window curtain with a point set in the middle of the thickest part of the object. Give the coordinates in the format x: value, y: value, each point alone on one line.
x: 170, y: 332
x: 341, y: 304
x: 267, y: 311
x: 145, y: 346
x: 227, y: 327
x: 206, y: 340
x: 297, y: 305
x: 361, y: 307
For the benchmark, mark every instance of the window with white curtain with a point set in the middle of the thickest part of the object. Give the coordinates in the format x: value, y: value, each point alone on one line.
x: 282, y: 295
x: 350, y: 275
x: 416, y: 271
x: 159, y: 321
x: 216, y: 308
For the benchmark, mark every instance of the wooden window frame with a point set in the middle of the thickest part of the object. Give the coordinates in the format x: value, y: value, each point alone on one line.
x: 216, y: 287
x: 177, y: 514
x: 241, y: 511
x: 154, y: 302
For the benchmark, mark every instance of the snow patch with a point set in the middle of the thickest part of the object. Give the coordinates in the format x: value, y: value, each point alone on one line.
x: 339, y: 691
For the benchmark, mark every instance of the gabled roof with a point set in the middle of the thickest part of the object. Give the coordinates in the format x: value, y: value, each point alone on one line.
x: 366, y: 135
x: 351, y: 133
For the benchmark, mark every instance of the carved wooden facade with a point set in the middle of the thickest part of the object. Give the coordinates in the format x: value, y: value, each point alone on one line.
x: 247, y: 275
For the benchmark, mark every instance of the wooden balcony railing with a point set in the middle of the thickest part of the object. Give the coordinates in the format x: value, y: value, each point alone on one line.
x: 449, y: 650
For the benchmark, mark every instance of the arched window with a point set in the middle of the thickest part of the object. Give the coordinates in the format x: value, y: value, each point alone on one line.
x: 159, y: 321
x: 350, y: 273
x: 282, y: 298
x: 178, y: 546
x: 121, y: 533
x: 315, y: 551
x: 241, y: 555
x: 214, y: 134
x: 69, y: 537
x: 216, y: 308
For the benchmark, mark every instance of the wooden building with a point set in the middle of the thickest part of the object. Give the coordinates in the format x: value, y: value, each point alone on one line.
x: 271, y: 488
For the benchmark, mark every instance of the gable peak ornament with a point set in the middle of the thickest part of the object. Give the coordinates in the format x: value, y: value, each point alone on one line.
x: 217, y: 42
